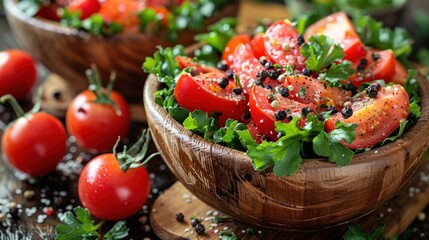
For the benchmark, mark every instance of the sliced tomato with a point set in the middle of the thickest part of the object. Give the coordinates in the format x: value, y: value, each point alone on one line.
x: 49, y: 12
x: 380, y: 65
x: 204, y: 92
x: 281, y: 44
x: 376, y: 117
x: 197, y: 68
x: 264, y: 113
x: 339, y: 27
x: 401, y: 74
x: 246, y: 66
x: 255, y: 132
x: 162, y: 14
x: 122, y: 12
x: 258, y: 46
x: 228, y: 52
x: 310, y: 90
x: 85, y: 7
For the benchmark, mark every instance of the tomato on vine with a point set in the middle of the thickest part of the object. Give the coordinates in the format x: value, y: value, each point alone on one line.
x: 34, y: 143
x: 115, y: 185
x: 97, y: 116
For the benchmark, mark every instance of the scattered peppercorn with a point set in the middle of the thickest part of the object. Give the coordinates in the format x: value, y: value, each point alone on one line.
x: 305, y: 111
x: 194, y: 221
x: 180, y: 217
x: 263, y: 61
x: 223, y: 83
x: 269, y: 65
x: 200, y: 229
x: 332, y: 109
x: 350, y: 87
x: 237, y: 91
x: 261, y: 75
x: 284, y: 92
x: 280, y: 115
x: 274, y: 73
x: 247, y: 114
x: 375, y: 56
x: 363, y: 61
x: 360, y: 68
x: 222, y: 66
x: 306, y: 72
x: 372, y: 90
x: 268, y: 86
x: 347, y: 112
x: 301, y: 40
x: 229, y: 74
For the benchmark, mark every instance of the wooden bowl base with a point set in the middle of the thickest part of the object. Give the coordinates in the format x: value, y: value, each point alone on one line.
x: 397, y: 215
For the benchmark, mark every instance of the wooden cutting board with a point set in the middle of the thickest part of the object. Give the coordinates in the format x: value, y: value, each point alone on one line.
x: 397, y: 215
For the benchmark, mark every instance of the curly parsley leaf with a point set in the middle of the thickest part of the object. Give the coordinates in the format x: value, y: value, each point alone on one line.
x: 200, y: 123
x: 324, y: 56
x: 373, y: 34
x: 79, y: 225
x: 355, y: 232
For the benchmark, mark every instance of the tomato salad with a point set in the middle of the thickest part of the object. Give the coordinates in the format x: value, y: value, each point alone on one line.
x: 108, y: 17
x: 284, y: 93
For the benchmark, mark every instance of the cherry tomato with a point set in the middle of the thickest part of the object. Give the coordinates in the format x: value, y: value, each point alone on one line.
x: 264, y: 113
x: 401, y: 75
x: 18, y: 73
x: 162, y: 14
x: 197, y: 68
x: 97, y: 126
x: 339, y: 27
x: 376, y: 117
x: 380, y: 65
x: 85, y: 7
x: 281, y: 44
x: 110, y: 193
x: 123, y: 12
x: 204, y: 92
x: 228, y: 52
x: 35, y: 143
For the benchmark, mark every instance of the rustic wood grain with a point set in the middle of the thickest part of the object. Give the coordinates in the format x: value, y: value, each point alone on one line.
x: 319, y: 195
x: 69, y: 52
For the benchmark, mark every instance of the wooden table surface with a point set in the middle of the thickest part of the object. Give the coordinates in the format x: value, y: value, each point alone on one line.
x: 31, y: 220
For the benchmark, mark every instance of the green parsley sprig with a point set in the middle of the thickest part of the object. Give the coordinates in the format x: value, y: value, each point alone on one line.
x: 324, y: 56
x: 79, y: 225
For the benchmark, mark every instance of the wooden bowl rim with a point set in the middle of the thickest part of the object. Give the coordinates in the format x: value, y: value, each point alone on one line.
x: 308, y: 164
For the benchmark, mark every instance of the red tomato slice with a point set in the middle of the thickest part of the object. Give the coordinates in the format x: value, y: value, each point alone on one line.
x: 122, y: 12
x: 258, y: 46
x: 281, y: 44
x: 339, y: 27
x: 380, y: 66
x: 197, y: 68
x: 255, y: 132
x: 204, y: 93
x: 228, y: 52
x: 86, y: 7
x: 246, y: 67
x: 376, y: 117
x: 310, y: 90
x: 401, y: 74
x: 49, y: 12
x: 264, y: 113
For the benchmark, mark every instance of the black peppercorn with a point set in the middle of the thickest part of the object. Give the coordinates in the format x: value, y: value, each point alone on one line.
x: 284, y: 92
x: 180, y: 217
x: 222, y: 66
x: 360, y: 68
x: 274, y: 73
x: 223, y: 83
x: 305, y: 111
x: 269, y: 65
x: 280, y: 115
x: 261, y: 75
x: 332, y: 109
x: 350, y: 87
x: 363, y: 61
x: 237, y: 91
x: 306, y: 72
x: 347, y: 112
x: 229, y: 74
x: 263, y: 61
x: 301, y: 40
x: 372, y: 90
x: 375, y: 56
x: 194, y: 221
x: 200, y: 229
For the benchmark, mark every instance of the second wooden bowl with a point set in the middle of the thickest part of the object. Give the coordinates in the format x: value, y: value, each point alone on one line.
x: 319, y: 195
x: 69, y: 52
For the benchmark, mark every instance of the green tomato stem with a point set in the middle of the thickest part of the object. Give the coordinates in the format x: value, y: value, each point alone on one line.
x: 14, y: 103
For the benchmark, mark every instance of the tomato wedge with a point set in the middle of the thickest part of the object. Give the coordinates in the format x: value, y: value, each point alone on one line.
x: 339, y: 27
x: 310, y: 90
x: 378, y: 65
x: 281, y: 44
x: 401, y: 75
x: 197, y: 68
x: 376, y: 117
x: 264, y: 112
x: 258, y: 46
x: 85, y: 7
x: 246, y: 66
x: 204, y: 92
x: 228, y: 52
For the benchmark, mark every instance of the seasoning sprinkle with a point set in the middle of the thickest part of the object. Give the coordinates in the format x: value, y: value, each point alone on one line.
x: 347, y: 112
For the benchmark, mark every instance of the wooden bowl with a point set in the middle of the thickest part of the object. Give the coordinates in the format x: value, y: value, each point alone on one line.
x: 319, y: 195
x: 69, y: 52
